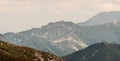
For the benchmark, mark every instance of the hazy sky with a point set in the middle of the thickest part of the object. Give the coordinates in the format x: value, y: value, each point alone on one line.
x: 19, y: 15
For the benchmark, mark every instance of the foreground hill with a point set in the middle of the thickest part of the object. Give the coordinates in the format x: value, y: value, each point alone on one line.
x: 10, y: 52
x: 96, y: 52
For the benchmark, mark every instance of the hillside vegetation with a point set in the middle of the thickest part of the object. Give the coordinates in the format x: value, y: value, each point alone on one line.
x: 10, y: 52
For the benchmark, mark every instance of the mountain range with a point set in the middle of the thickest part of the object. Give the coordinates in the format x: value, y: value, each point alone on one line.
x: 57, y: 38
x: 63, y: 38
x: 10, y: 52
x: 96, y: 52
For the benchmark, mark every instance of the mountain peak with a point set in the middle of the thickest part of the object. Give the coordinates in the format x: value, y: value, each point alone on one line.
x: 60, y: 23
x: 101, y: 45
x: 102, y: 18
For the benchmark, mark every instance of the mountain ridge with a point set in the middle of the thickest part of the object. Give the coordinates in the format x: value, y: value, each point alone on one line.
x: 45, y: 37
x: 62, y: 38
x: 102, y: 18
x: 65, y: 38
x: 96, y: 52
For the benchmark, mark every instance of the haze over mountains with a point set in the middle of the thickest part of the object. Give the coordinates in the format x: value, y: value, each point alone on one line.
x: 62, y: 38
x: 102, y: 18
x: 57, y: 38
x: 97, y: 52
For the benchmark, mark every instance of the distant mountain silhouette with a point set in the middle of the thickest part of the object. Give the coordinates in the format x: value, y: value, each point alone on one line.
x: 102, y: 18
x: 96, y: 52
x: 63, y: 38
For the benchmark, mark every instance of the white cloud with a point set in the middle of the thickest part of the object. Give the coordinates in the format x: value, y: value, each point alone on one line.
x: 40, y: 12
x: 58, y: 6
x: 62, y: 8
x: 110, y: 7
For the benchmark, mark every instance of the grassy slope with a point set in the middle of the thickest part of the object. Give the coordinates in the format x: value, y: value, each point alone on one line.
x: 10, y: 52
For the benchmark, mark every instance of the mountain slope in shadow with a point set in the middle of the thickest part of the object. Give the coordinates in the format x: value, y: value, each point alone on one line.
x: 97, y: 52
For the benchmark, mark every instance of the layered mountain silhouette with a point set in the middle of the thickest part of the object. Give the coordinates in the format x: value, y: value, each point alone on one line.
x: 102, y: 18
x: 10, y: 52
x: 63, y: 38
x: 96, y: 52
x: 58, y: 38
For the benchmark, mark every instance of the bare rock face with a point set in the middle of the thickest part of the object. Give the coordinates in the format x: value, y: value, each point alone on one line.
x: 43, y: 56
x: 10, y: 52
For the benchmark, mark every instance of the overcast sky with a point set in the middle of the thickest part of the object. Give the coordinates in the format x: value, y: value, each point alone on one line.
x: 19, y: 15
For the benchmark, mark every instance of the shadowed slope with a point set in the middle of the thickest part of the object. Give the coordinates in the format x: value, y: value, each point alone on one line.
x: 96, y: 52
